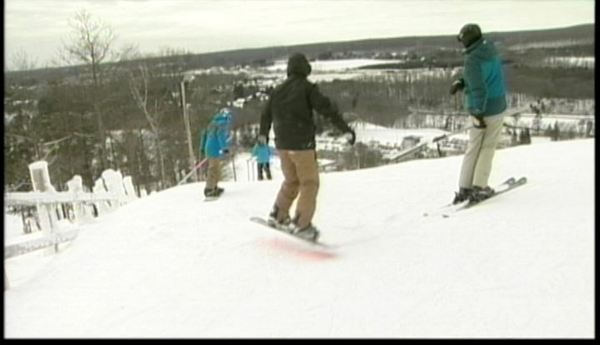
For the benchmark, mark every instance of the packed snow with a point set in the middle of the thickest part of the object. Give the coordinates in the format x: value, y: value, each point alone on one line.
x: 171, y: 265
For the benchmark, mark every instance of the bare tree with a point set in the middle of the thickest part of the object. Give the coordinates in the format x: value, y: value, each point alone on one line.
x: 90, y: 43
x: 139, y: 87
x: 21, y: 61
x: 172, y: 51
x: 129, y: 52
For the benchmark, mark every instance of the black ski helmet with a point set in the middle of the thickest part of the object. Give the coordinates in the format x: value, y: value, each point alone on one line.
x: 469, y: 34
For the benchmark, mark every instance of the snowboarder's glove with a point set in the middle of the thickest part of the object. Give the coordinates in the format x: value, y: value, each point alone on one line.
x: 350, y: 136
x: 225, y: 151
x: 262, y: 139
x: 458, y: 85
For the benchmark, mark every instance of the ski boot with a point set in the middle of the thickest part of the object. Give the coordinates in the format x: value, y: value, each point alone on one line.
x: 463, y: 194
x: 480, y: 193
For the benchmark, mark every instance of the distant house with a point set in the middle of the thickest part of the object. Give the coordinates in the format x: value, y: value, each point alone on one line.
x: 410, y: 141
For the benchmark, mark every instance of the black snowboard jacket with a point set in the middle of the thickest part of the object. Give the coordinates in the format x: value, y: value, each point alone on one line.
x: 290, y: 110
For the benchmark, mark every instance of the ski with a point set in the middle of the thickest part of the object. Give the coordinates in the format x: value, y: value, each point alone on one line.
x: 506, y: 186
x: 263, y: 222
x: 451, y: 208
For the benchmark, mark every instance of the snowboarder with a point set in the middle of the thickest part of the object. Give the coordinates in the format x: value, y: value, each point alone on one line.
x: 214, y: 145
x: 485, y: 100
x: 290, y: 111
x: 263, y: 153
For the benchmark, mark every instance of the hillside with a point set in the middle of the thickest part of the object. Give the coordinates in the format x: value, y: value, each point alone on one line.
x: 569, y: 38
x: 172, y: 266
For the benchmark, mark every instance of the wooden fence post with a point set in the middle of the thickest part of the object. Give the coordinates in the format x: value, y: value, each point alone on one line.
x: 99, y: 190
x: 75, y: 186
x: 129, y: 189
x: 40, y: 180
x: 113, y: 180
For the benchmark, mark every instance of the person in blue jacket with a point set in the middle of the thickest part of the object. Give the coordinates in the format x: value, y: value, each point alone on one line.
x: 263, y: 153
x: 485, y: 101
x: 214, y: 145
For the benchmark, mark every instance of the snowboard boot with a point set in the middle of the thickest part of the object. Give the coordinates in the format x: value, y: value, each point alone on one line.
x: 462, y: 195
x: 213, y: 192
x: 282, y: 224
x: 480, y: 193
x: 308, y: 232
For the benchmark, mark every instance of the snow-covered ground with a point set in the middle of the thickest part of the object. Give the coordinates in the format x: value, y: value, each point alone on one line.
x: 171, y: 265
x: 347, y: 69
x: 560, y: 61
x: 13, y: 225
x: 323, y: 66
x: 366, y: 132
x: 322, y: 70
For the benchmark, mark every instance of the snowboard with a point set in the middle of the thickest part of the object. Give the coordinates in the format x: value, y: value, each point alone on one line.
x: 264, y: 222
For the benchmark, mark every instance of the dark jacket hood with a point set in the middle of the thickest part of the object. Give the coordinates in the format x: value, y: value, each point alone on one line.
x: 298, y: 65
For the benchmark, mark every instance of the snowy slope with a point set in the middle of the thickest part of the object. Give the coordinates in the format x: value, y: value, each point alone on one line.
x: 171, y: 265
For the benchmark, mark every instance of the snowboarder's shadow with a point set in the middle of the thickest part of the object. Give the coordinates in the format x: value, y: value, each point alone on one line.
x: 300, y: 250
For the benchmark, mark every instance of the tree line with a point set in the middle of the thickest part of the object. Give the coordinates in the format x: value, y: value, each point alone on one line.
x: 127, y: 115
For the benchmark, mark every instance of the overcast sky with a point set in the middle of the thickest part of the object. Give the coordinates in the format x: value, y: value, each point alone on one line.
x: 37, y: 27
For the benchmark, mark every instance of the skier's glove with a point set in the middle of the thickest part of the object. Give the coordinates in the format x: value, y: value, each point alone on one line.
x: 478, y: 122
x: 262, y: 139
x: 458, y: 85
x: 350, y: 136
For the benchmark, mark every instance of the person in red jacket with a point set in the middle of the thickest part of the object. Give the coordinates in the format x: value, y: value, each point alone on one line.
x: 290, y: 112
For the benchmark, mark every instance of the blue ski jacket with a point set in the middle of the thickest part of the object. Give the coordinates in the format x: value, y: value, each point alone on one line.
x: 215, y: 139
x: 485, y: 89
x: 262, y: 152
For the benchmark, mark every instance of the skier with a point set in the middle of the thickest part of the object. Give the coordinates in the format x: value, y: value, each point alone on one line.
x: 263, y: 153
x: 485, y: 101
x: 290, y: 111
x: 214, y: 145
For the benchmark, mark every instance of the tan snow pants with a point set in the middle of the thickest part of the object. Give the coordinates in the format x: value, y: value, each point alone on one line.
x: 301, y: 179
x: 477, y: 162
x: 213, y: 174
